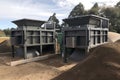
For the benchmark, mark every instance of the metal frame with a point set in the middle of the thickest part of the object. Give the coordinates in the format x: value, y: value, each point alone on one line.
x: 24, y: 25
x: 82, y: 26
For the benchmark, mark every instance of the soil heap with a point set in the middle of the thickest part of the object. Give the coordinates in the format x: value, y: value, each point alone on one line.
x: 5, y: 46
x: 112, y: 36
x: 103, y: 63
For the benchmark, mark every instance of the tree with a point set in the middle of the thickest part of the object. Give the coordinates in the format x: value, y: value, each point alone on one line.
x: 113, y: 14
x: 53, y: 18
x: 118, y: 4
x: 77, y: 10
x: 2, y: 34
x: 117, y: 18
x: 94, y: 10
x: 7, y: 31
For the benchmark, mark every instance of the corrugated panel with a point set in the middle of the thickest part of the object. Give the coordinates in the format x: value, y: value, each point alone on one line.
x: 70, y: 42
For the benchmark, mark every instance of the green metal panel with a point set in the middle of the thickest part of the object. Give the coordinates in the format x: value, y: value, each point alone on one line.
x: 60, y: 41
x: 60, y: 37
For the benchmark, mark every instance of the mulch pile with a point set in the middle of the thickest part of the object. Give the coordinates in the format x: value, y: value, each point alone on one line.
x: 5, y: 46
x: 103, y: 63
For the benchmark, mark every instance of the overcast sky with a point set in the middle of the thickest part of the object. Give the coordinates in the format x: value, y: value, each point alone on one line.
x: 41, y: 9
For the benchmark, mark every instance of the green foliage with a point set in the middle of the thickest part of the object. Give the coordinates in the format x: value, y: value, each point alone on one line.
x: 7, y: 31
x: 118, y: 4
x: 77, y: 10
x: 94, y: 9
x: 53, y: 18
x: 112, y: 13
x: 2, y: 34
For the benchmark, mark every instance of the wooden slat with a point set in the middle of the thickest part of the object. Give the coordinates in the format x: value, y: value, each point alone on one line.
x: 14, y: 63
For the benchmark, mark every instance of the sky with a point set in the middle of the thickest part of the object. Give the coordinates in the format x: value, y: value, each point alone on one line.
x: 11, y: 10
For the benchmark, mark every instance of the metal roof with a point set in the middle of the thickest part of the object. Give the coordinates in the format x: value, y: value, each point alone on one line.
x: 28, y: 22
x: 81, y: 20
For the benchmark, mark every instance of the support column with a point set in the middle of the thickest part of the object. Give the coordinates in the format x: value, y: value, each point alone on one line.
x: 25, y: 47
x: 65, y: 56
x: 40, y: 42
x: 64, y: 49
x: 13, y: 52
x: 25, y: 52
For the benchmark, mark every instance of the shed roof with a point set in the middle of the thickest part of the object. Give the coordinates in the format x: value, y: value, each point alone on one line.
x: 28, y: 22
x: 81, y: 20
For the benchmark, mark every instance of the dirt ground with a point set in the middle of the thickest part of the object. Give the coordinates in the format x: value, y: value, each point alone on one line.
x: 40, y: 70
x: 102, y: 64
